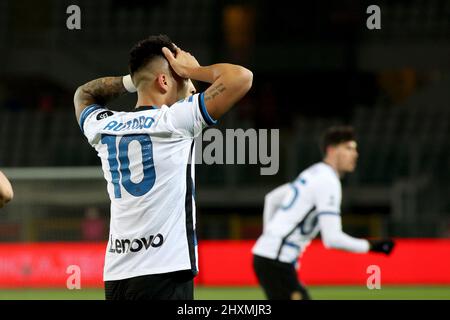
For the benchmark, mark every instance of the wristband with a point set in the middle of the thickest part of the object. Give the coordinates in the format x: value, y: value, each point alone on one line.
x: 128, y: 83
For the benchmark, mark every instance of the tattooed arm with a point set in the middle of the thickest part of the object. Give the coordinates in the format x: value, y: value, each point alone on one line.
x: 98, y: 91
x: 229, y: 82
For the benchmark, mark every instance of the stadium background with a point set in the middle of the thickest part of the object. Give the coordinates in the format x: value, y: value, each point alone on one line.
x: 315, y: 65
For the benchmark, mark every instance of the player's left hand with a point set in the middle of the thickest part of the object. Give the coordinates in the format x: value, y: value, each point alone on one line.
x: 181, y: 62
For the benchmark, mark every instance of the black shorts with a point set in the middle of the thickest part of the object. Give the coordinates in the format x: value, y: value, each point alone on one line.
x: 177, y: 285
x: 278, y: 279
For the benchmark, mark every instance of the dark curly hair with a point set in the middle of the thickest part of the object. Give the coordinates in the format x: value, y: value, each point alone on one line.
x: 336, y: 135
x: 148, y: 49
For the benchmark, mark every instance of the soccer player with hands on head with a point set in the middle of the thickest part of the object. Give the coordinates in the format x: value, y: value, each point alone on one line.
x: 147, y: 156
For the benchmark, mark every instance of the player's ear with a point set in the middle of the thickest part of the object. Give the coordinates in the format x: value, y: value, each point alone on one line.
x: 163, y: 82
x: 330, y: 150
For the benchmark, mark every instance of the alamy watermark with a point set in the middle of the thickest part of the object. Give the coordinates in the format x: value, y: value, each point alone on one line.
x: 374, y: 280
x: 74, y: 278
x: 374, y: 20
x: 237, y: 146
x: 73, y: 22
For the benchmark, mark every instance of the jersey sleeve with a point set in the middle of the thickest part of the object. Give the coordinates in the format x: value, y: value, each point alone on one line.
x: 327, y: 195
x: 91, y: 119
x: 273, y: 201
x: 190, y: 116
x: 334, y: 238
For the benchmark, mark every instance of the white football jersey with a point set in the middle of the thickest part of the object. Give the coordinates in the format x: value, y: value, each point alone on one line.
x: 291, y: 213
x: 147, y: 159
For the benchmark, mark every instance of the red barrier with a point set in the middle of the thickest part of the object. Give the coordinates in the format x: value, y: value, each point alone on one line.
x: 41, y: 265
x: 413, y: 261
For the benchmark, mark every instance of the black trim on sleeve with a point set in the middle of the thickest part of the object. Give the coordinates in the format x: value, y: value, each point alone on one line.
x: 190, y: 232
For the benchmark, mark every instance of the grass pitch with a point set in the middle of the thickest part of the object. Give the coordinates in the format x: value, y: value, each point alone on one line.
x: 251, y: 293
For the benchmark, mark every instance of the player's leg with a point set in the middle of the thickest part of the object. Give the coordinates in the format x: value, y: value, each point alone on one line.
x: 278, y: 279
x: 295, y: 288
x: 300, y: 292
x: 184, y: 286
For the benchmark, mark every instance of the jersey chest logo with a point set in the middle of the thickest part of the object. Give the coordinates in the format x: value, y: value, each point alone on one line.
x: 135, y: 245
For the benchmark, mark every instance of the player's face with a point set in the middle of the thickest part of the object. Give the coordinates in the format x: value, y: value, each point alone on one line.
x: 347, y: 156
x: 179, y: 88
x: 186, y: 88
x: 183, y: 88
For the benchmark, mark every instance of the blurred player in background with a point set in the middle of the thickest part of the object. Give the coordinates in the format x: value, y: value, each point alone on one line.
x: 146, y: 157
x: 6, y: 190
x: 295, y: 212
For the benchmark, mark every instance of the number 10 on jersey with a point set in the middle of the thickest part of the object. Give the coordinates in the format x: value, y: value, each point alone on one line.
x: 119, y: 164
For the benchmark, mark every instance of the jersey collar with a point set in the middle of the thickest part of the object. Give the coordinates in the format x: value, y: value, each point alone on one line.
x: 142, y: 108
x: 332, y: 169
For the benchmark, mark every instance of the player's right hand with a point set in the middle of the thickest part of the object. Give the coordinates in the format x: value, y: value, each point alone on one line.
x: 181, y: 62
x: 383, y: 246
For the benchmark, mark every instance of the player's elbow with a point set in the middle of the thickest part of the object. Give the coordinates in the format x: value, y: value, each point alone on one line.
x: 77, y: 93
x: 245, y: 78
x: 77, y: 96
x: 81, y: 99
x: 239, y: 80
x: 6, y: 195
x: 9, y: 196
x: 80, y: 95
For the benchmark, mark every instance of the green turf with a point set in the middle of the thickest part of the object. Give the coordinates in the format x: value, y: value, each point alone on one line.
x: 251, y: 293
x: 334, y: 293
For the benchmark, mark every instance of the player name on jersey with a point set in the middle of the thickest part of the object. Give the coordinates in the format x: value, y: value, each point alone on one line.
x: 136, y: 123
